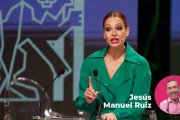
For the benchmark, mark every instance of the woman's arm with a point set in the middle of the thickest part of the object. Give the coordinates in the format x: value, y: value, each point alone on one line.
x: 81, y: 102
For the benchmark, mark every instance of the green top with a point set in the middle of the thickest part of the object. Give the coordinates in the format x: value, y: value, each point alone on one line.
x: 132, y: 77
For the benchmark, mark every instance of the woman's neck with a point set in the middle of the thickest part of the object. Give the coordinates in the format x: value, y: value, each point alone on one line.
x: 116, y: 53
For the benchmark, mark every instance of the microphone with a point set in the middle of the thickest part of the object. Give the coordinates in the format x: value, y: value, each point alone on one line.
x: 95, y: 73
x: 46, y: 88
x: 58, y: 75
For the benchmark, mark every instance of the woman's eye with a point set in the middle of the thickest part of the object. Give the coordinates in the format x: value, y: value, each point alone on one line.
x: 119, y: 28
x: 107, y: 29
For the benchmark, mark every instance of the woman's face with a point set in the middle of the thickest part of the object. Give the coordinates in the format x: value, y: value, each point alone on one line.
x: 115, y: 32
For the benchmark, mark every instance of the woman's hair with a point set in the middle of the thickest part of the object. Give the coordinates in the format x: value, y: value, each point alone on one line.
x: 116, y: 14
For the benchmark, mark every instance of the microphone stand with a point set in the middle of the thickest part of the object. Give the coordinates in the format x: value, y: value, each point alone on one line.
x: 95, y: 73
x: 7, y: 115
x: 44, y: 90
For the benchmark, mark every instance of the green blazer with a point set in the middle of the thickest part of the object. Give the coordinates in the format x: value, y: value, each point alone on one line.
x: 133, y: 77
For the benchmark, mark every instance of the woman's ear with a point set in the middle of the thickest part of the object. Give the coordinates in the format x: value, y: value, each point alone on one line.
x: 127, y: 31
x: 104, y: 36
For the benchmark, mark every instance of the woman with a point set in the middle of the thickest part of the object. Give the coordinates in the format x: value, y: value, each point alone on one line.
x: 122, y: 74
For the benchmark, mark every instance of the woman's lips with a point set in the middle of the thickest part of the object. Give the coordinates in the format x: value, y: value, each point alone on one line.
x: 114, y: 40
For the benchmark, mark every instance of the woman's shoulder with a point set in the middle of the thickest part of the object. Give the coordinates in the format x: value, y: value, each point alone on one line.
x: 97, y: 54
x: 134, y: 56
x: 94, y: 58
x: 141, y: 59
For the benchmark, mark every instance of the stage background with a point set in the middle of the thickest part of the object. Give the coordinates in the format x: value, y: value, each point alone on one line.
x: 39, y: 39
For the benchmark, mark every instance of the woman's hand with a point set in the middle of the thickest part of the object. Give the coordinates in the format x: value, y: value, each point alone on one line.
x: 108, y: 116
x: 90, y: 94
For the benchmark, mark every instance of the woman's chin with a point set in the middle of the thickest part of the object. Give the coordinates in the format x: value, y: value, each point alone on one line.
x: 114, y: 45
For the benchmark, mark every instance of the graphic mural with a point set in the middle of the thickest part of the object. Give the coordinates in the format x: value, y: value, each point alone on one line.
x: 33, y: 34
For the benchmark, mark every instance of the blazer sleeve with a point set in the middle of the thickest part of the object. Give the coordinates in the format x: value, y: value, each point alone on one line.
x: 142, y: 81
x: 80, y: 101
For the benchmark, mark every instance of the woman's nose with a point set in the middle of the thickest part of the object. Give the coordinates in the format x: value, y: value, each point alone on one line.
x: 114, y: 32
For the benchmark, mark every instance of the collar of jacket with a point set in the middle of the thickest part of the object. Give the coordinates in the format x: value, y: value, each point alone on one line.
x: 169, y: 100
x: 131, y: 55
